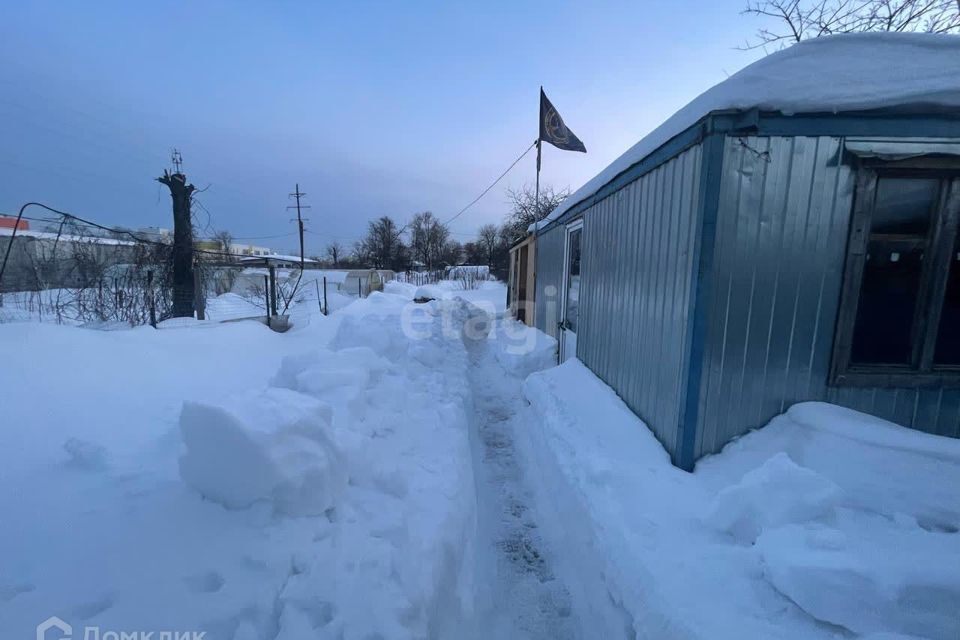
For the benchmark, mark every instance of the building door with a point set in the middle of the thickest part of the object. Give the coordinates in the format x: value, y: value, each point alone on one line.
x: 570, y: 304
x: 522, y: 303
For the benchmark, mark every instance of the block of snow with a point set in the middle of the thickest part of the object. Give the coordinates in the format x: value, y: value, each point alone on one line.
x: 523, y: 350
x: 778, y: 492
x: 271, y: 446
x: 870, y: 575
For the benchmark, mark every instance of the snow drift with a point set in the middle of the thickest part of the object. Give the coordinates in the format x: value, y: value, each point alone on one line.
x: 825, y: 522
x: 273, y: 446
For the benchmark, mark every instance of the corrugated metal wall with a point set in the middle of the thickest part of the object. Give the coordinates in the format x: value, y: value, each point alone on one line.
x: 782, y: 225
x: 637, y: 260
x: 550, y: 245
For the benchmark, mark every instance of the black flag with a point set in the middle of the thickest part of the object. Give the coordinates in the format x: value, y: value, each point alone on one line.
x: 553, y: 130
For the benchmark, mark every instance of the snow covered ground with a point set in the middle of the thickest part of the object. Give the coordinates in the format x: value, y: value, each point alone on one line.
x: 228, y: 479
x: 402, y: 470
x: 827, y: 523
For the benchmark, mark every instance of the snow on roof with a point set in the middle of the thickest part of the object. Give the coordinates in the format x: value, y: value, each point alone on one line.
x: 842, y: 73
x: 64, y: 237
x: 275, y: 256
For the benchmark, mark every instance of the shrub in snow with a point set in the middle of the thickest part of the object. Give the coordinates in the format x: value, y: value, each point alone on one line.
x: 270, y: 446
x: 778, y: 492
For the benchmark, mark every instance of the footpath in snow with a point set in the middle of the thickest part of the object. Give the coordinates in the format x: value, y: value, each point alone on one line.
x: 401, y: 470
x: 353, y: 478
x: 518, y: 592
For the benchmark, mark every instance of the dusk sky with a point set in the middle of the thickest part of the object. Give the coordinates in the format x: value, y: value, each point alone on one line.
x: 374, y: 108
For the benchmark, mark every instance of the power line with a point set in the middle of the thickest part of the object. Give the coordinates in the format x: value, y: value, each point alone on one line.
x: 492, y: 185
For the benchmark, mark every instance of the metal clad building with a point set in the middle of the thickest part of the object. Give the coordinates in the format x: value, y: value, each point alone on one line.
x: 635, y: 290
x: 711, y: 274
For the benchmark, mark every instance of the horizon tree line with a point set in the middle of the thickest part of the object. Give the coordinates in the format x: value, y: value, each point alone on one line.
x: 425, y: 243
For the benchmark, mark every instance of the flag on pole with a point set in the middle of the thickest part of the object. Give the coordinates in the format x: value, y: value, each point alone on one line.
x: 553, y: 129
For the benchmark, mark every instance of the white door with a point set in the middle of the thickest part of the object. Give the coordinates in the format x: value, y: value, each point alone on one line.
x: 570, y: 306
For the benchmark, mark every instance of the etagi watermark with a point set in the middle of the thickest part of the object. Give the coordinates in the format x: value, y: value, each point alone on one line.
x: 53, y: 628
x: 477, y: 321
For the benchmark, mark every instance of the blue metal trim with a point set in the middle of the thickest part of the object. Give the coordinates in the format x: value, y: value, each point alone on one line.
x: 710, y: 174
x: 866, y: 123
x: 861, y: 124
x: 668, y: 151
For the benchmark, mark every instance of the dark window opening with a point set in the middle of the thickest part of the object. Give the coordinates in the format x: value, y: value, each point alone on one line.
x: 899, y: 322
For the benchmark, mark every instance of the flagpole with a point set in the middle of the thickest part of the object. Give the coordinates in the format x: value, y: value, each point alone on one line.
x: 536, y: 233
x: 536, y: 197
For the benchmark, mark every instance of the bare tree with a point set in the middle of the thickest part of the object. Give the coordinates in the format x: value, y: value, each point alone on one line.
x: 335, y: 252
x: 428, y: 238
x: 224, y: 241
x: 383, y: 246
x: 797, y: 20
x: 451, y: 254
x: 525, y: 209
x: 488, y: 241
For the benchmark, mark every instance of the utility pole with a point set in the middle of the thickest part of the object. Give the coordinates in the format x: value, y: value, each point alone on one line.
x: 183, y: 279
x: 297, y: 194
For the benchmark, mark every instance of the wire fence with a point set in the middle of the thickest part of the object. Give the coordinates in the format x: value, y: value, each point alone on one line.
x: 80, y: 272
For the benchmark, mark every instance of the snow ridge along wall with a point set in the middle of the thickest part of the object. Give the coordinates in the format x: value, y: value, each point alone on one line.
x: 825, y: 523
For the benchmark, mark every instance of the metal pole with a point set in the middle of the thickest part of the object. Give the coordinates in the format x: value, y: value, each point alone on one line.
x: 266, y: 295
x: 13, y: 234
x: 153, y: 305
x: 273, y: 290
x: 199, y: 295
x: 325, y: 310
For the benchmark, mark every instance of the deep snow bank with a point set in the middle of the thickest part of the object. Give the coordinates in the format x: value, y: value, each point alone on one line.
x: 100, y: 529
x: 372, y: 432
x: 825, y: 519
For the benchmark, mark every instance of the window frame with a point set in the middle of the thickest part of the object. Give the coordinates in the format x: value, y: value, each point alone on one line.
x: 941, y: 243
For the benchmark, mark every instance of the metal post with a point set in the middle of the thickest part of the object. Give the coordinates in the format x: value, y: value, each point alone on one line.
x: 199, y: 297
x: 359, y: 287
x: 266, y: 295
x: 152, y: 299
x: 325, y: 310
x: 273, y: 291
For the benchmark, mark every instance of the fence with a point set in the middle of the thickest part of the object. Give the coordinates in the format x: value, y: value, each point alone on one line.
x: 138, y: 295
x: 420, y: 278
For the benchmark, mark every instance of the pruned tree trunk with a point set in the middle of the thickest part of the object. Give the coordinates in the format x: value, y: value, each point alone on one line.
x: 182, y: 256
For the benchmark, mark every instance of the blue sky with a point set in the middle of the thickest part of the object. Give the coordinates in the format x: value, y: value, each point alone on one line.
x: 375, y: 108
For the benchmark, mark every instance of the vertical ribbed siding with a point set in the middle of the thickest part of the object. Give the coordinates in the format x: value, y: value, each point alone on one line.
x: 636, y: 272
x: 550, y: 245
x: 784, y: 213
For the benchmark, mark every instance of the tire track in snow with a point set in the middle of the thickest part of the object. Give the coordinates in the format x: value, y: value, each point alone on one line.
x: 518, y: 594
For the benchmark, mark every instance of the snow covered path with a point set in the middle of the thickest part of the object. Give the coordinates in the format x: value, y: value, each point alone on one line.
x: 518, y: 594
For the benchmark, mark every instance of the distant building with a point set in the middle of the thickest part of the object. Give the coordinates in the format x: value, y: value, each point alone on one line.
x: 249, y: 250
x: 10, y: 222
x: 279, y: 260
x: 46, y: 260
